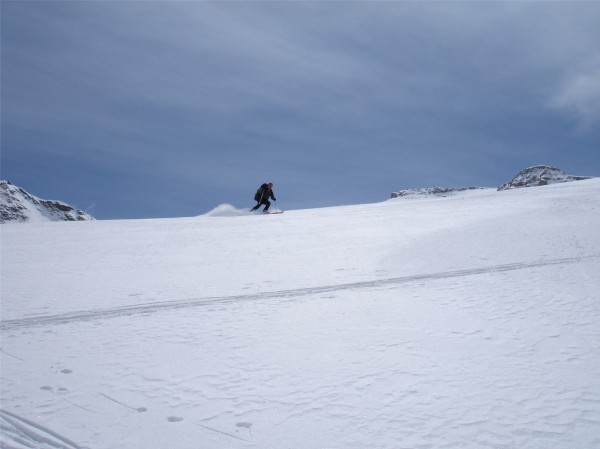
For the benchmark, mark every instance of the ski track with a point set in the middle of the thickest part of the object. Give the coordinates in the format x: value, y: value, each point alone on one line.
x: 31, y: 434
x: 145, y: 308
x: 139, y: 409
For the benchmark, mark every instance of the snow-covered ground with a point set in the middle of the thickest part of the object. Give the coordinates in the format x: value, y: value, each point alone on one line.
x: 470, y: 321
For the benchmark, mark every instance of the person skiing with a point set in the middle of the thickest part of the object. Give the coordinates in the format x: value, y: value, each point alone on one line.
x: 262, y: 197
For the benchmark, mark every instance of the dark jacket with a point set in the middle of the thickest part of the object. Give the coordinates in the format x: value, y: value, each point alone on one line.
x: 264, y: 193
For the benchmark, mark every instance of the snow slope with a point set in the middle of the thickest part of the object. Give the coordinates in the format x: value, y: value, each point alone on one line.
x: 468, y: 321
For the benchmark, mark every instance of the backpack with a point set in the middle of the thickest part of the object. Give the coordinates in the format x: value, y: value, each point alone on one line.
x: 259, y: 193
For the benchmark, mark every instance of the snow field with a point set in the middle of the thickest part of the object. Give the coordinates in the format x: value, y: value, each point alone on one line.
x: 468, y: 321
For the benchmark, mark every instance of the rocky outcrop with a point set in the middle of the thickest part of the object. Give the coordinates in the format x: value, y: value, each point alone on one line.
x: 17, y: 205
x: 431, y: 191
x: 540, y: 175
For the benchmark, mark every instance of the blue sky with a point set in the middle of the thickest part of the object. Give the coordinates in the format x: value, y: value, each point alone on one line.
x: 166, y: 109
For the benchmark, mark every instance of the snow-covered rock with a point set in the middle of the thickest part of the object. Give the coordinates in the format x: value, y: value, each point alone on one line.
x: 540, y: 175
x: 16, y: 204
x: 431, y: 191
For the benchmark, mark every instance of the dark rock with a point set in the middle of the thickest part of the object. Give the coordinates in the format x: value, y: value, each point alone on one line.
x: 540, y: 175
x: 16, y: 204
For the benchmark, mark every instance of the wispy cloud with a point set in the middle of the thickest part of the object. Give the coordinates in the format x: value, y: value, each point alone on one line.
x: 579, y: 96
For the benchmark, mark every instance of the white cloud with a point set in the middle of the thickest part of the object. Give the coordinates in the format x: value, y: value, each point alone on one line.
x: 580, y: 97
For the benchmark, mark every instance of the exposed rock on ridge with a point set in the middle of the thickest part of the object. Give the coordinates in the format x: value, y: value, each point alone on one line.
x: 540, y: 175
x: 431, y: 191
x: 18, y: 205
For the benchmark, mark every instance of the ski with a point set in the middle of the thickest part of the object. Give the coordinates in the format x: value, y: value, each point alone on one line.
x: 267, y: 213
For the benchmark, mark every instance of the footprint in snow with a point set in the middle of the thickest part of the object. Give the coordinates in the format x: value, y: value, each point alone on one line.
x: 67, y: 371
x: 174, y: 419
x: 245, y: 425
x: 49, y: 388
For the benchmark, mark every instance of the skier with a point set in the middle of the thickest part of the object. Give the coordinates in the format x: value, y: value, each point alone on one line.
x: 262, y: 197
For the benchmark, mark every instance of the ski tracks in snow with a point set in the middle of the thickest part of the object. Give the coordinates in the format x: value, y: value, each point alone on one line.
x: 345, y: 393
x: 145, y: 308
x: 27, y: 433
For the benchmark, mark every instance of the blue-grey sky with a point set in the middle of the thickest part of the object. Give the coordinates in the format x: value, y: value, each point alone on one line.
x: 162, y: 109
